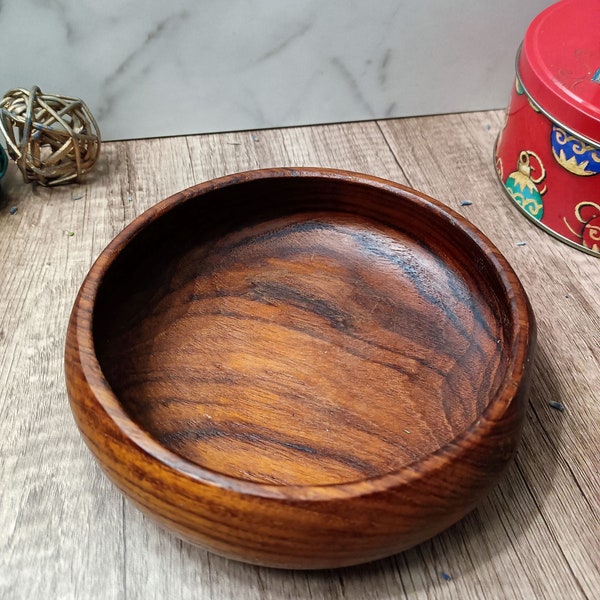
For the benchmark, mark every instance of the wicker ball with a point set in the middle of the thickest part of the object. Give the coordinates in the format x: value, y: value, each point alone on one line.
x: 53, y: 139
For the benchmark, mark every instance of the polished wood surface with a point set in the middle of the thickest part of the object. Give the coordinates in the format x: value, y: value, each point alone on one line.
x: 66, y: 532
x: 289, y: 356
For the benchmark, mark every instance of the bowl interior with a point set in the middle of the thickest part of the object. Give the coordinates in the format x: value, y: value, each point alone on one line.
x: 302, y: 330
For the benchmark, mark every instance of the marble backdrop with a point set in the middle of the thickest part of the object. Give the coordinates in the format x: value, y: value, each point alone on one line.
x: 155, y: 67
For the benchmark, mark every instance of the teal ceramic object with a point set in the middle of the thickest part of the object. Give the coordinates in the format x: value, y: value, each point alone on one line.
x: 3, y: 161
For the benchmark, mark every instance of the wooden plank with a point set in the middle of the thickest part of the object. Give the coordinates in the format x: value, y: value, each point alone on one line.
x: 356, y: 147
x: 556, y: 475
x: 335, y: 146
x: 60, y: 520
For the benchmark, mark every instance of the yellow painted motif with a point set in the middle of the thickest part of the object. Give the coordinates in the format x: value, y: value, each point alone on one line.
x: 589, y: 234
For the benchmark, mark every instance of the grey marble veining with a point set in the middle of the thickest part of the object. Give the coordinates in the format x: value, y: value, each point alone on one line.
x: 153, y: 68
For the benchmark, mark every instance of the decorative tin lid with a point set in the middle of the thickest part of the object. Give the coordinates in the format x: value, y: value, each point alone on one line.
x: 559, y: 65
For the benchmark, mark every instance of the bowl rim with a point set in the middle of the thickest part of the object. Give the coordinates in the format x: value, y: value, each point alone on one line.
x: 522, y: 329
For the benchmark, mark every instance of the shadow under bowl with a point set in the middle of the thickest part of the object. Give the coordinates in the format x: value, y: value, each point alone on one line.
x: 301, y: 368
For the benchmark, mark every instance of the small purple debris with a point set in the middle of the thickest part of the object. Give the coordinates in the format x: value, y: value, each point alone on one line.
x: 12, y: 210
x: 521, y: 243
x: 445, y: 576
x: 466, y: 203
x: 488, y: 126
x: 557, y: 405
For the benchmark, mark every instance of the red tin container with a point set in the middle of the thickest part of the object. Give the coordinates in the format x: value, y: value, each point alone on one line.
x: 548, y: 153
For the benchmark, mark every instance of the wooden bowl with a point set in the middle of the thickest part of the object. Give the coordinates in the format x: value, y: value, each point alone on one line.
x: 301, y: 368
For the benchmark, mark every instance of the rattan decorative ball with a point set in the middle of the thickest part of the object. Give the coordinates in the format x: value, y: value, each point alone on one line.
x: 53, y: 139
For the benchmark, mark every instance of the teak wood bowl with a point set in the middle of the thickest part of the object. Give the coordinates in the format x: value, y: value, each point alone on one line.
x: 301, y: 368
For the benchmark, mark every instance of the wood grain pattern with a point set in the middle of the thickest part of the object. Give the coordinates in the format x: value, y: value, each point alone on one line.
x: 65, y: 532
x: 321, y: 355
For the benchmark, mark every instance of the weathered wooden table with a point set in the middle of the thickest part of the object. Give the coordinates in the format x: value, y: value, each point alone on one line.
x: 65, y: 532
